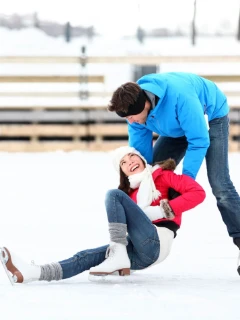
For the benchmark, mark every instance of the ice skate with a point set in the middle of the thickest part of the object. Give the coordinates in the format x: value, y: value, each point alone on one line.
x: 236, y: 241
x: 4, y: 259
x: 117, y: 260
x: 18, y: 271
x: 238, y: 264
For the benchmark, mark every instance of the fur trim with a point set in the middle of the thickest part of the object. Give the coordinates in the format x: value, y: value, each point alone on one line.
x: 168, y: 212
x: 168, y: 164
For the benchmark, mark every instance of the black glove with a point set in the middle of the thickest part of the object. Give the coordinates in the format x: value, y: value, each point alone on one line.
x: 172, y: 194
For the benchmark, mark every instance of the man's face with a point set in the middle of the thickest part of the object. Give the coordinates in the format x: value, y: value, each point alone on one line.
x: 140, y: 117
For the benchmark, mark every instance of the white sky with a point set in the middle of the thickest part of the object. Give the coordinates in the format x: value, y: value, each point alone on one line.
x: 125, y: 15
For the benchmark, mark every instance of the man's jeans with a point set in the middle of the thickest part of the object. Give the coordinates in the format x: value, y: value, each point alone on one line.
x: 143, y: 242
x: 228, y: 200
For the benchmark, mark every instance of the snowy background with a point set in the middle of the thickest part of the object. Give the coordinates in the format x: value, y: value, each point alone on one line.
x: 33, y: 42
x: 52, y: 206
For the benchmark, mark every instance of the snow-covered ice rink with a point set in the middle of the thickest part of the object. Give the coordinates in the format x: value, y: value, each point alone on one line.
x: 52, y: 206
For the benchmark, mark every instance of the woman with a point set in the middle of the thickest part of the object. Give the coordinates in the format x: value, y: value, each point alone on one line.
x: 142, y: 223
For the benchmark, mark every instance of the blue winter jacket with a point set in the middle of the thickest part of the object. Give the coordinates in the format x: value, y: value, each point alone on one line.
x: 184, y: 98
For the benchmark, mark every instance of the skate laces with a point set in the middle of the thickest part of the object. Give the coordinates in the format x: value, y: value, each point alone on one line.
x: 110, y: 252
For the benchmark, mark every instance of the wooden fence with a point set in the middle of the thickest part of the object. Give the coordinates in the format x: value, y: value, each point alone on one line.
x: 85, y: 126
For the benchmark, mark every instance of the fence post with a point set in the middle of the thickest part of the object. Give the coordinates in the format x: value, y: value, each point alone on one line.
x: 83, y: 79
x: 83, y: 74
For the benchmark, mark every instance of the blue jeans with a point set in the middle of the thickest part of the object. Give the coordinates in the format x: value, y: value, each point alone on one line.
x: 228, y: 200
x: 143, y: 242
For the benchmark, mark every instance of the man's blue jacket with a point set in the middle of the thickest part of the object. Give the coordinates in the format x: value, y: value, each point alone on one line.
x: 184, y: 99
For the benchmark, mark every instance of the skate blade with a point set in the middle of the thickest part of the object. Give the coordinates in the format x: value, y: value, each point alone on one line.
x: 3, y: 258
x: 108, y: 278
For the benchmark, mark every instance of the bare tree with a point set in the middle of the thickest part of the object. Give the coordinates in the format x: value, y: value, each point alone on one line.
x: 140, y: 34
x: 194, y: 32
x: 238, y: 30
x: 68, y: 32
x: 36, y: 22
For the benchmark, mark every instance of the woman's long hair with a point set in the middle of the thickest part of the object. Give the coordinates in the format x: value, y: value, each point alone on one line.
x: 124, y: 184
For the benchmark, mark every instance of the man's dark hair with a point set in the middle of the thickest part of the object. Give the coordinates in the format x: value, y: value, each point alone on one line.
x: 124, y: 96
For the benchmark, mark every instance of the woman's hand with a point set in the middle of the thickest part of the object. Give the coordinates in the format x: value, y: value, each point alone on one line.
x: 161, y: 211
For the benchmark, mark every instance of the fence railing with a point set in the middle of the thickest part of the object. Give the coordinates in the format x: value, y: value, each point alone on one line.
x: 131, y: 59
x: 85, y: 126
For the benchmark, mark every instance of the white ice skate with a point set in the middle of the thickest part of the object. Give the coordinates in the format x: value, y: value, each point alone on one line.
x: 117, y: 260
x: 17, y: 270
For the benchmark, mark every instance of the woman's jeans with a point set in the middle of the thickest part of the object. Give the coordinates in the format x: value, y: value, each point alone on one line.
x: 228, y: 200
x: 143, y: 242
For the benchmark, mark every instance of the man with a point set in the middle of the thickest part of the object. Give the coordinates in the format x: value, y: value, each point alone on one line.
x: 190, y: 114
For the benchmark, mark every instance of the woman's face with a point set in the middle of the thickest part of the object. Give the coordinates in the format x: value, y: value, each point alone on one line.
x: 131, y: 164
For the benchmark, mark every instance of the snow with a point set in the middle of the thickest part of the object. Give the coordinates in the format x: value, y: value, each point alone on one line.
x: 52, y: 206
x: 48, y: 214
